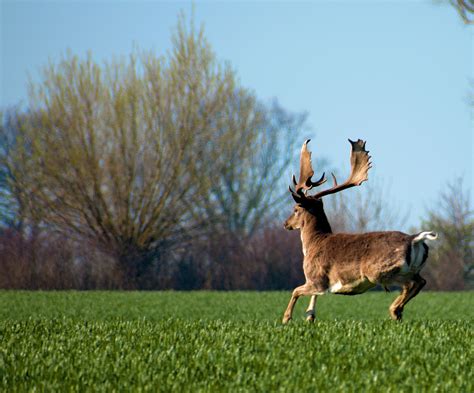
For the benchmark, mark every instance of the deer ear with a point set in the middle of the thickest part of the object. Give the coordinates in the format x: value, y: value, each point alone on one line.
x: 297, y: 198
x: 301, y: 199
x: 302, y: 202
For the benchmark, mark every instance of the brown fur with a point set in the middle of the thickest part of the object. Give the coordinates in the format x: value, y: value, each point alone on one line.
x: 351, y: 264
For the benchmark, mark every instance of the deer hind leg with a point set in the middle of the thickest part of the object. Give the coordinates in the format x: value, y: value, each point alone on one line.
x: 409, y: 291
x: 310, y: 312
x: 306, y: 289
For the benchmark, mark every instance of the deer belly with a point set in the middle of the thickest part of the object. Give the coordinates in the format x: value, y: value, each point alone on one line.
x: 352, y: 288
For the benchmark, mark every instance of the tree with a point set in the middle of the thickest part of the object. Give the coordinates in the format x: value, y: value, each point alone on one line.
x: 11, y: 210
x: 451, y: 263
x: 138, y: 155
x: 465, y: 9
x: 363, y: 210
x: 247, y: 187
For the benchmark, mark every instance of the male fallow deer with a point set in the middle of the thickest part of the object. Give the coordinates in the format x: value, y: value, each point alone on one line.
x: 350, y: 264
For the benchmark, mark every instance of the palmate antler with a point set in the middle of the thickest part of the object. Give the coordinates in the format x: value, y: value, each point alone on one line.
x: 306, y: 172
x: 360, y: 165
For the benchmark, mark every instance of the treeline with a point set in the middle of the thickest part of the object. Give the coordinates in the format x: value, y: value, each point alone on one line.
x: 269, y: 259
x: 164, y: 172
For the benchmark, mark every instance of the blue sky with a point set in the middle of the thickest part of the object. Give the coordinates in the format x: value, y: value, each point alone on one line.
x: 394, y: 73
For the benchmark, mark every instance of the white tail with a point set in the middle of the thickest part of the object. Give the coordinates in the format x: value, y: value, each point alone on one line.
x: 422, y: 236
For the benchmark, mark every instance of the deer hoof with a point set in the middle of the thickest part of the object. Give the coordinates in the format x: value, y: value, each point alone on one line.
x: 286, y: 319
x: 396, y: 314
x: 310, y: 318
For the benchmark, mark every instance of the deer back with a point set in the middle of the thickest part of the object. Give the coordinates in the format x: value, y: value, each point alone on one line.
x: 342, y: 257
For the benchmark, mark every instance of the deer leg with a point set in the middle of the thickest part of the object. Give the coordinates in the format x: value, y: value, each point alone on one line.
x: 415, y: 290
x: 310, y: 313
x: 395, y: 312
x: 409, y: 291
x: 302, y: 290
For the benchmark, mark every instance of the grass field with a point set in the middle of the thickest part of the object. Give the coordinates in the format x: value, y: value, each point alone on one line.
x: 233, y: 341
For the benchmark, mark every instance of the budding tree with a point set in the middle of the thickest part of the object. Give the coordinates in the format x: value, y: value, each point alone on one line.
x: 138, y: 154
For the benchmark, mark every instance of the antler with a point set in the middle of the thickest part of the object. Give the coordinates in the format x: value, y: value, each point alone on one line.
x: 306, y: 173
x: 360, y: 166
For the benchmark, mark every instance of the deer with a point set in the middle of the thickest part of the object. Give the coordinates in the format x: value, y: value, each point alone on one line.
x: 347, y: 263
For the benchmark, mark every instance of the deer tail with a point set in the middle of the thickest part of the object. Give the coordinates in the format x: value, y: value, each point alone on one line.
x: 422, y: 236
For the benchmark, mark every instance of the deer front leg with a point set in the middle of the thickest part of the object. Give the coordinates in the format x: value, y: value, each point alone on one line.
x: 409, y: 291
x: 310, y: 313
x: 302, y: 290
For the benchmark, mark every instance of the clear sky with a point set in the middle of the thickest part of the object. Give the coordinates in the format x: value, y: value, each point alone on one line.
x: 394, y: 73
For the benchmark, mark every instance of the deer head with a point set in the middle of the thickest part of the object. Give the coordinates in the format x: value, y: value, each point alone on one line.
x: 311, y: 206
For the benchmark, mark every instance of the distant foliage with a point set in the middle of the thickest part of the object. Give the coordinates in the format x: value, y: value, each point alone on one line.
x: 42, y: 260
x: 10, y: 209
x: 152, y: 172
x: 365, y: 209
x: 451, y: 261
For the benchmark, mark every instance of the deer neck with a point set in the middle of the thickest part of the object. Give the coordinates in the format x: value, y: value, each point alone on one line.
x: 315, y: 226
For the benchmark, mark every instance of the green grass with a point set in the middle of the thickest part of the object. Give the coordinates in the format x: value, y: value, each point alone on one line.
x: 234, y: 341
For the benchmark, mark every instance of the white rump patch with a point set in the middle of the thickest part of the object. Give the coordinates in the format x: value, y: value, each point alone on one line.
x: 425, y: 236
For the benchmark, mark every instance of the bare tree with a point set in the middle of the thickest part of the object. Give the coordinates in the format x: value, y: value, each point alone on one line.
x: 365, y: 210
x: 465, y: 9
x: 451, y: 260
x: 12, y: 212
x: 247, y: 165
